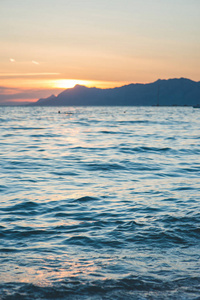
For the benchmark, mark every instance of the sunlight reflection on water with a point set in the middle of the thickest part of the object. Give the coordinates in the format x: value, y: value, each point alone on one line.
x: 100, y: 201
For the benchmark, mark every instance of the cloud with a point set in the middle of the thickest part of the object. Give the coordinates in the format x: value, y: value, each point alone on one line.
x: 8, y: 90
x: 35, y: 62
x: 16, y: 95
x: 12, y: 60
x: 6, y: 75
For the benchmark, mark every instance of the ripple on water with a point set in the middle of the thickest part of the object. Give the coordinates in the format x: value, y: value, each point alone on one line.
x: 100, y: 204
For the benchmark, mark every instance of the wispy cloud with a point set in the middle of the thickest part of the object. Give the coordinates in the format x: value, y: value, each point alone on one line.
x: 17, y: 95
x: 35, y: 62
x: 8, y: 90
x: 26, y: 74
x: 12, y: 60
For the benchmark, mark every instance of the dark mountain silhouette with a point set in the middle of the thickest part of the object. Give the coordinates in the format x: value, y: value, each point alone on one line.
x: 161, y: 92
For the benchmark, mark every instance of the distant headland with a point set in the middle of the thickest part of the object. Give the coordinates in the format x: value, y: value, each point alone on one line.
x: 170, y: 92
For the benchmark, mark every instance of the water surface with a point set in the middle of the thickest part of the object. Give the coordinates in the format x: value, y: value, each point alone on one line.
x: 99, y: 203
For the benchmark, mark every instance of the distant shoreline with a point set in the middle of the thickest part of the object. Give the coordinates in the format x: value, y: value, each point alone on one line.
x: 171, y: 92
x: 165, y: 92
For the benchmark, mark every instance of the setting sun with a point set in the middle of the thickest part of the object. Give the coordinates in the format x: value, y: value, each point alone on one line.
x: 69, y: 83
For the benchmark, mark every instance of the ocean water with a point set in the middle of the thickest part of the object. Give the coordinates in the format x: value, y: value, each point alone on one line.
x: 99, y: 203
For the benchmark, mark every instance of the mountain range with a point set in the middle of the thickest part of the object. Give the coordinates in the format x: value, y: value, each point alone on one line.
x: 170, y: 92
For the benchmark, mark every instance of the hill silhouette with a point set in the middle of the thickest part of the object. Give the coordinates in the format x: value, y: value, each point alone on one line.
x: 177, y: 92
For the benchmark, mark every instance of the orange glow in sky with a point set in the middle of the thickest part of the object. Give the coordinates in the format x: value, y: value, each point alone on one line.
x: 70, y: 83
x: 29, y: 82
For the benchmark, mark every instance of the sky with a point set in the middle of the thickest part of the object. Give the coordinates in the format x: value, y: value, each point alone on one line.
x: 50, y: 45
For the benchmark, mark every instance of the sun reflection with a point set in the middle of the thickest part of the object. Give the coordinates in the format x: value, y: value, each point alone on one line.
x: 53, y: 268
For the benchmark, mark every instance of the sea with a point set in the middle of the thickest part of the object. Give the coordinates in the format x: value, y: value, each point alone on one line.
x: 99, y: 203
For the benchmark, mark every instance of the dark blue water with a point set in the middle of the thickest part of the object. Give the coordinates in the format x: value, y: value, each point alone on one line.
x: 101, y: 203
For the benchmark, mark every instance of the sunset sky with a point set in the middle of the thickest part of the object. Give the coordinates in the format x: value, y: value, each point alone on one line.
x: 50, y: 45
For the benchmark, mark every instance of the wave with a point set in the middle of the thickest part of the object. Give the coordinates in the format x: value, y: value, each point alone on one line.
x: 100, y: 205
x: 129, y: 287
